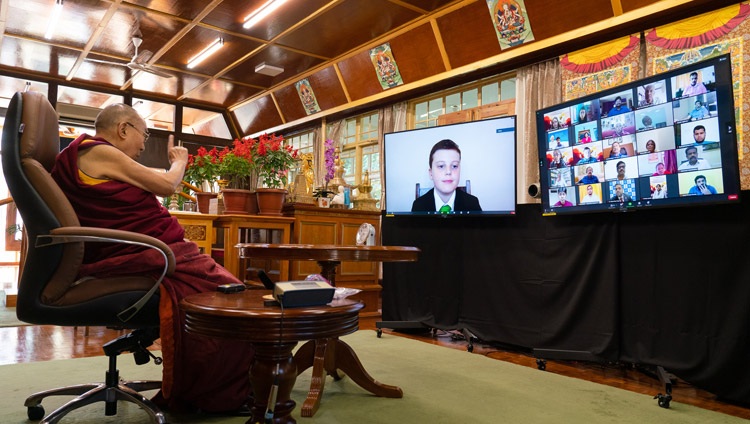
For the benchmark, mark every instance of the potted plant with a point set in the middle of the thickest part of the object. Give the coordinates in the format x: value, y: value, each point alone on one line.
x: 236, y: 169
x: 323, y: 196
x: 272, y: 161
x: 202, y: 171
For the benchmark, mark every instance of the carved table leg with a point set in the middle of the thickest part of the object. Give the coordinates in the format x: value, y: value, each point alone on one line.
x: 348, y: 362
x: 327, y: 356
x: 262, y: 378
x: 328, y: 270
x: 318, y: 379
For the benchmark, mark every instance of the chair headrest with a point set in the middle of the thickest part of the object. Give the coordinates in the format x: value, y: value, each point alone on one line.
x: 40, y: 139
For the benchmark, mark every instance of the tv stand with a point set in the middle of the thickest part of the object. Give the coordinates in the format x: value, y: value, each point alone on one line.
x: 416, y: 325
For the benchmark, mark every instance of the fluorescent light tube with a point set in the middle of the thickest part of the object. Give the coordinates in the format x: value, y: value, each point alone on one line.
x: 56, y: 11
x: 262, y: 12
x: 208, y: 51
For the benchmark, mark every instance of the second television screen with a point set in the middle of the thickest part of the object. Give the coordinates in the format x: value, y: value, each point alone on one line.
x: 668, y: 140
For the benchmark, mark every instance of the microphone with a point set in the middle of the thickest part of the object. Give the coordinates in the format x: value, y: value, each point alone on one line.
x: 266, y: 280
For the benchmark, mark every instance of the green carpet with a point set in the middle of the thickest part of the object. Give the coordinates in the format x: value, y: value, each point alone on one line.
x: 8, y: 317
x: 441, y: 385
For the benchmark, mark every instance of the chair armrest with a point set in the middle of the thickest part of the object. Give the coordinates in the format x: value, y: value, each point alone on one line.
x: 104, y: 235
x: 114, y: 236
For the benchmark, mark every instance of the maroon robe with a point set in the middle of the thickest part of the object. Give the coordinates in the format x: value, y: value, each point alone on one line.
x: 199, y: 372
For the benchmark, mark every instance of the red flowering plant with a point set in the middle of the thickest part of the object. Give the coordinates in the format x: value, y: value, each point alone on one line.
x: 237, y: 164
x: 273, y: 160
x: 203, y: 167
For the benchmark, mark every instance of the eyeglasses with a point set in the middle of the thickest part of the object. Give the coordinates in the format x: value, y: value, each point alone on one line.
x: 145, y: 134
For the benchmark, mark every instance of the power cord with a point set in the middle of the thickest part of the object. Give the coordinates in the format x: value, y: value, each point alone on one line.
x: 268, y: 417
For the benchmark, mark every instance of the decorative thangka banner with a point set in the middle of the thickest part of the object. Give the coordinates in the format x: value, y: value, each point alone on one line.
x: 307, y: 96
x: 511, y: 22
x: 603, y: 66
x: 385, y: 66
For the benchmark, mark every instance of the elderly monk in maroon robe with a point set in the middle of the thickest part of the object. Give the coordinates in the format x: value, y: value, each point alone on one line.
x: 109, y: 189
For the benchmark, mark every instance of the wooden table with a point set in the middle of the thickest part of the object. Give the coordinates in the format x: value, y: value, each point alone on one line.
x: 232, y: 224
x: 243, y: 316
x: 328, y: 256
x: 329, y: 354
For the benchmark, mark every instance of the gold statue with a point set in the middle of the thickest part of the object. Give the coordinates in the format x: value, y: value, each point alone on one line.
x: 308, y: 172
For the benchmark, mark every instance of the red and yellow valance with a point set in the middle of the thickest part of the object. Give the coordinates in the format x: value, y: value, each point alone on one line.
x: 599, y: 57
x: 703, y: 29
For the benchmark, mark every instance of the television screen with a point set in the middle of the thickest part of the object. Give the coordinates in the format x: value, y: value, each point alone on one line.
x: 667, y: 140
x: 466, y: 169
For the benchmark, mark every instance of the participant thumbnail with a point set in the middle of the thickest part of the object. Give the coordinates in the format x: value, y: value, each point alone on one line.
x: 618, y: 126
x: 653, y: 117
x: 653, y: 93
x: 586, y: 112
x: 658, y: 187
x: 699, y: 157
x: 698, y: 132
x: 590, y: 173
x: 559, y: 198
x: 701, y: 183
x: 588, y: 153
x: 558, y: 138
x: 658, y: 163
x: 590, y: 194
x: 557, y: 119
x: 620, y: 169
x: 617, y: 104
x: 660, y: 138
x: 561, y: 177
x: 693, y: 83
x: 622, y: 191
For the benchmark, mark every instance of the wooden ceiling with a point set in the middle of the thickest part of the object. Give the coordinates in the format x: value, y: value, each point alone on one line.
x: 325, y: 41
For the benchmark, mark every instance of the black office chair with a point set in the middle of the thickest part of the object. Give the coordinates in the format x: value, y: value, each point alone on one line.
x: 50, y: 292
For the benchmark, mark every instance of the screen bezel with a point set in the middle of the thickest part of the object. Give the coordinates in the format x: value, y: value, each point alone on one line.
x: 476, y: 157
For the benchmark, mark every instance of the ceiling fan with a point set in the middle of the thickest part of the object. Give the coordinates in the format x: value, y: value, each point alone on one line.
x: 139, y: 62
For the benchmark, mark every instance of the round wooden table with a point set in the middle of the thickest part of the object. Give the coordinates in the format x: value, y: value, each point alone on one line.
x: 244, y: 316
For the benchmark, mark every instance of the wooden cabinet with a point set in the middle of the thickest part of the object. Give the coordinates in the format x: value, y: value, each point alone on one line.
x: 315, y: 225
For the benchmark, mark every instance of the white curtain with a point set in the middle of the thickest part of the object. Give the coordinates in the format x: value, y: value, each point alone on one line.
x: 537, y: 86
x: 390, y: 119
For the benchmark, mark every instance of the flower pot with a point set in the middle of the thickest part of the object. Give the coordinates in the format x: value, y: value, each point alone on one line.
x: 270, y: 200
x: 324, y: 202
x: 252, y: 204
x: 204, y: 199
x: 235, y: 201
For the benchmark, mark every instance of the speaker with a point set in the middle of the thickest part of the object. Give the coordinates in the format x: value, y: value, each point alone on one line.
x: 534, y: 190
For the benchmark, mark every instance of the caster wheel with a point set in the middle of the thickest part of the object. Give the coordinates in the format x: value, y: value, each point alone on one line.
x: 379, y: 332
x: 541, y: 364
x: 35, y: 413
x: 663, y: 400
x: 470, y: 348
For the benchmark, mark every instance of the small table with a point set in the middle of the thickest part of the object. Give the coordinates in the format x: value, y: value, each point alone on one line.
x: 328, y: 256
x: 243, y: 316
x: 329, y: 354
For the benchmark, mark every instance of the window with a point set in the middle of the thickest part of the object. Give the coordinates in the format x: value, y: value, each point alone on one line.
x: 157, y: 115
x: 360, y: 151
x: 427, y: 109
x: 204, y: 122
